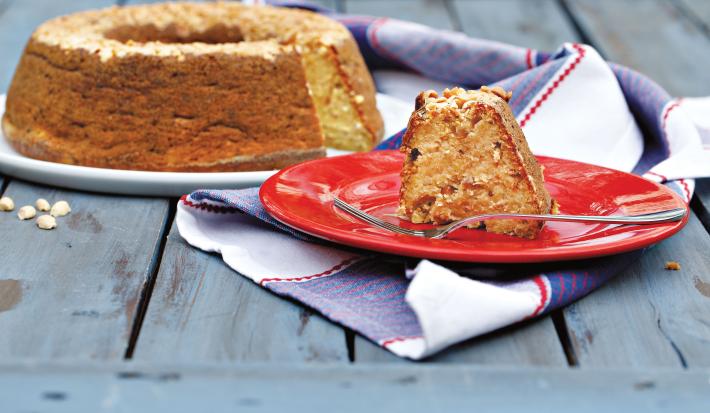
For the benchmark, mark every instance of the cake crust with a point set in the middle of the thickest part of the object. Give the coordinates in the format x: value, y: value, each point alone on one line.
x: 466, y: 155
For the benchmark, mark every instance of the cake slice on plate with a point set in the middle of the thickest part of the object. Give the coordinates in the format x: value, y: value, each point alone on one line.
x: 466, y: 155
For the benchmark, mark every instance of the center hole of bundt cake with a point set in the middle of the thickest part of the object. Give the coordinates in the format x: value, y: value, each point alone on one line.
x: 216, y: 34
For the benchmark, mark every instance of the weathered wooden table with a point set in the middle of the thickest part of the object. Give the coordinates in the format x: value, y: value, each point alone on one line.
x: 114, y: 311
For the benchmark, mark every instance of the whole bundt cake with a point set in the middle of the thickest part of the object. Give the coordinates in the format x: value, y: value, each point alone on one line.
x: 190, y: 87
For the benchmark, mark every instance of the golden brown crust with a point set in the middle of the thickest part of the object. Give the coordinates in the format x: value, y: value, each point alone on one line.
x: 466, y: 155
x: 39, y: 148
x: 85, y: 93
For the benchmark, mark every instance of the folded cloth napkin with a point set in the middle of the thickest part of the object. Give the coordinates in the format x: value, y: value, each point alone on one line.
x: 571, y: 104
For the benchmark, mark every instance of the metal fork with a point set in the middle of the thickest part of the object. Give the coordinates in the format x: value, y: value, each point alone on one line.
x: 441, y: 231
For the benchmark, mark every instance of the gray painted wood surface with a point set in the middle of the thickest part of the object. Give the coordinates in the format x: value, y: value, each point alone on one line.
x: 432, y: 13
x: 73, y: 292
x: 201, y: 310
x: 368, y: 387
x: 650, y: 36
x: 80, y: 302
x: 650, y: 316
x: 699, y: 9
x: 538, y: 24
x: 19, y: 20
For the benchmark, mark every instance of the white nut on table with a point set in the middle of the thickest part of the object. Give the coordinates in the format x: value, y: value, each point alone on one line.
x: 59, y: 209
x: 26, y: 212
x: 46, y: 222
x: 42, y: 204
x: 6, y: 204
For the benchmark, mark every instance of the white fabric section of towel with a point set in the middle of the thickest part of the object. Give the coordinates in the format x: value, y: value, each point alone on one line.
x: 451, y: 308
x: 578, y: 131
x: 698, y: 109
x: 253, y: 248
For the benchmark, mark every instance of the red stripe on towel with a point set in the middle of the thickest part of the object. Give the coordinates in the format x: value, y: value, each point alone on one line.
x: 210, y: 208
x: 333, y: 269
x: 540, y: 282
x: 555, y: 84
x: 528, y: 58
x: 658, y: 175
x: 398, y: 339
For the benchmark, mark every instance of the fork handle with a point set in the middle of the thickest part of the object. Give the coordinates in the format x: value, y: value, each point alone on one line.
x: 670, y: 215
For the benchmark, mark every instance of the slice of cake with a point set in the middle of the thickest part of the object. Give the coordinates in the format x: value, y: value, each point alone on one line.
x: 466, y: 155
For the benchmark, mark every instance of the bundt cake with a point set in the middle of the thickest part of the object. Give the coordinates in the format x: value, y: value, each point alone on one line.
x: 190, y: 87
x: 466, y: 155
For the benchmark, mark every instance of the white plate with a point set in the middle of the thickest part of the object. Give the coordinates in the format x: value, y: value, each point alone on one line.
x: 118, y: 181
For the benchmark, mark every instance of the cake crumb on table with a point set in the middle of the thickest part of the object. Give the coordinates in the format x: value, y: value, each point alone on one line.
x: 672, y: 265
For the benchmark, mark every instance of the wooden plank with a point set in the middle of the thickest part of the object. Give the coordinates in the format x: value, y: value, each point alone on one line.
x: 651, y: 36
x: 529, y: 344
x: 432, y: 13
x: 202, y: 310
x: 411, y: 388
x: 538, y: 24
x: 649, y: 316
x: 19, y: 21
x: 73, y: 292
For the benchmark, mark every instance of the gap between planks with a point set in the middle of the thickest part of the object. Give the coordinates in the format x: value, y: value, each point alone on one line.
x: 147, y: 292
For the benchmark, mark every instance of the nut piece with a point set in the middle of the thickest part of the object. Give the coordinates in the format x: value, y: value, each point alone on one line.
x: 46, y: 222
x: 6, y: 204
x: 26, y: 212
x: 424, y: 97
x: 497, y: 90
x: 672, y: 265
x: 60, y: 209
x: 42, y: 204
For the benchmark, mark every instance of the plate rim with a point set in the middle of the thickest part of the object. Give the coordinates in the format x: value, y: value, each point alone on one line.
x: 347, y: 238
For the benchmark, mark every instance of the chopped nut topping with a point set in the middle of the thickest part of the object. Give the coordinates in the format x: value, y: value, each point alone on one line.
x: 499, y: 91
x: 42, y: 204
x: 672, y: 265
x: 46, y: 222
x: 60, y: 209
x: 26, y: 212
x: 423, y: 97
x: 6, y: 204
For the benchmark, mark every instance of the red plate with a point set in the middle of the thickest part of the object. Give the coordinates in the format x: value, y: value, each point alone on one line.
x: 302, y: 197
